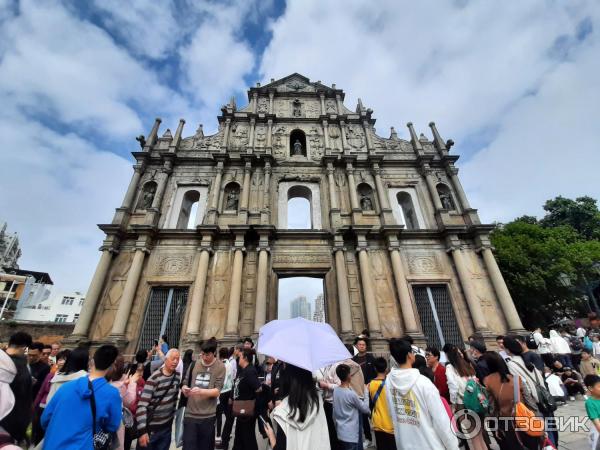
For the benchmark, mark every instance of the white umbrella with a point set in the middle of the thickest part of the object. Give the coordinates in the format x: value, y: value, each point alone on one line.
x: 303, y: 343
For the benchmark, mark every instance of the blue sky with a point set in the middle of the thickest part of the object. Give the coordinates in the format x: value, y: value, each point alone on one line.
x: 514, y: 84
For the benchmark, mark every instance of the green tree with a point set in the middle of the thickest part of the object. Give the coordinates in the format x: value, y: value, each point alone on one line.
x: 582, y: 214
x: 532, y: 258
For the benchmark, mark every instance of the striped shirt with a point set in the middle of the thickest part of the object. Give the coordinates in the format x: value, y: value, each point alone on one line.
x: 152, y: 415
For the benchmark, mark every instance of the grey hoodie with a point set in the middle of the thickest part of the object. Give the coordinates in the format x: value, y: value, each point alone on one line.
x: 59, y: 379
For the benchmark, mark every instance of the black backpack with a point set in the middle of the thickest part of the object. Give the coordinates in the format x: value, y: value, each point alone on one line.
x: 530, y: 341
x: 576, y: 344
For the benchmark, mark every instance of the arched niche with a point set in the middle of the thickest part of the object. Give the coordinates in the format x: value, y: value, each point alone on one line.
x: 445, y: 195
x: 187, y: 207
x: 366, y: 199
x: 299, y: 208
x: 231, y: 197
x: 147, y: 195
x: 189, y: 210
x: 407, y: 210
x: 289, y: 190
x: 298, y: 143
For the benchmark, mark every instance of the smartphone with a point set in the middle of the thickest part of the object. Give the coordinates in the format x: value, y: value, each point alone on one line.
x: 263, y: 420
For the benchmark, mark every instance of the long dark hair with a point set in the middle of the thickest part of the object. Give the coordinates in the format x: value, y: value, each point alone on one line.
x: 462, y: 366
x: 298, y: 385
x: 496, y: 364
x: 77, y: 360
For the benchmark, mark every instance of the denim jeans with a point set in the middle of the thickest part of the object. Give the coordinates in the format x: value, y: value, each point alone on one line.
x: 159, y: 440
x: 349, y: 445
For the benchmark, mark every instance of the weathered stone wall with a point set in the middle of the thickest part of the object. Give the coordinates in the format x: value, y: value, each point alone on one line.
x: 46, y: 332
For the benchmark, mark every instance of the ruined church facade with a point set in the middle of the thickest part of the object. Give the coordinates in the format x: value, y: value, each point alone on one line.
x: 202, y: 237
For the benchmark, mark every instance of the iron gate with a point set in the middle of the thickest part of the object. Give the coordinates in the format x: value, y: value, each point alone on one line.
x: 437, y: 316
x: 164, y: 315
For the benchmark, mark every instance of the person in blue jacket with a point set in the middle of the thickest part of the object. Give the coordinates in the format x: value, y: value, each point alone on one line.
x: 67, y: 419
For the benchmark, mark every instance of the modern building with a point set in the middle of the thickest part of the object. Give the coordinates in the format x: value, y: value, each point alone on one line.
x: 300, y: 307
x: 50, y: 305
x: 10, y: 251
x: 18, y: 286
x: 319, y: 314
x: 201, y: 239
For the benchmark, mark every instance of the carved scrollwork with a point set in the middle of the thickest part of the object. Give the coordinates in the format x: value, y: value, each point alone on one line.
x: 424, y: 263
x: 169, y: 265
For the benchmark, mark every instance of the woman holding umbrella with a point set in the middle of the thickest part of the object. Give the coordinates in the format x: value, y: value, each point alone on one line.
x: 300, y: 416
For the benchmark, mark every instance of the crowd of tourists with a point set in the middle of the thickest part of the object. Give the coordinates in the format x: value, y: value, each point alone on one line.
x: 434, y: 398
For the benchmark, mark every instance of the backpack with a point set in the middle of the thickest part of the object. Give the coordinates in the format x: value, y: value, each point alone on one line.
x: 476, y: 397
x: 546, y: 402
x: 576, y: 344
x: 587, y: 344
x: 530, y: 341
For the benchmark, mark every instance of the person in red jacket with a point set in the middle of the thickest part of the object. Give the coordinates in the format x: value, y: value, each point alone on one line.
x: 432, y: 356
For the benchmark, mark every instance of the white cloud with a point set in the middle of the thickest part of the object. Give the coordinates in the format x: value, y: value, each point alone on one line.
x: 61, y: 66
x: 55, y: 191
x: 148, y: 28
x: 466, y: 66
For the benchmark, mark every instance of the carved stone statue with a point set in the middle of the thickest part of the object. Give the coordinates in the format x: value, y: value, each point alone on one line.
x: 148, y: 197
x: 297, y: 108
x: 297, y: 150
x: 232, y: 200
x: 365, y: 203
x: 142, y: 140
x: 446, y: 200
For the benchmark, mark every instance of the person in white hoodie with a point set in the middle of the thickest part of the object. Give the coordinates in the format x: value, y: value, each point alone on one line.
x: 544, y: 346
x: 418, y: 414
x: 560, y: 348
x: 300, y: 417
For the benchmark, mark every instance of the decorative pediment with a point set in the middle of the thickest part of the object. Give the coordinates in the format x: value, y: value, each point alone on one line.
x: 297, y: 83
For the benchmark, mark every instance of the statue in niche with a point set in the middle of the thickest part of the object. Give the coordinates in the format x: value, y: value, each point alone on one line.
x: 232, y: 200
x: 296, y: 108
x: 148, y: 196
x: 365, y: 203
x: 297, y: 150
x: 446, y: 200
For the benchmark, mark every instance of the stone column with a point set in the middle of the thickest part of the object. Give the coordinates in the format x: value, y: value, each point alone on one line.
x: 477, y: 315
x: 338, y: 100
x: 344, y: 137
x: 428, y: 173
x: 128, y: 295
x: 260, y: 316
x: 153, y: 135
x: 226, y: 135
x: 332, y: 194
x: 138, y: 169
x: 367, y: 130
x: 254, y: 102
x: 381, y: 191
x: 162, y: 184
x: 352, y: 187
x: 177, y: 139
x: 267, y: 184
x: 406, y: 306
x: 251, y: 137
x: 326, y: 135
x: 246, y: 186
x: 322, y: 97
x: 82, y: 327
x: 197, y: 301
x: 510, y: 312
x: 368, y: 291
x: 271, y: 95
x: 233, y: 311
x: 342, y: 287
x: 269, y: 134
x: 464, y: 203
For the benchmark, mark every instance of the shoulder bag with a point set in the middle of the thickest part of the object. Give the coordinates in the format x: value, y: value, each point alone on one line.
x: 101, y: 439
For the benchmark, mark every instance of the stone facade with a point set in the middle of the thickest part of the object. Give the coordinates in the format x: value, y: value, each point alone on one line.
x: 204, y: 223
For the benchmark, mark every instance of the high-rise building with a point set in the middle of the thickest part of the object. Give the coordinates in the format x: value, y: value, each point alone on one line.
x: 10, y: 250
x: 319, y: 315
x: 202, y: 236
x: 300, y: 307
